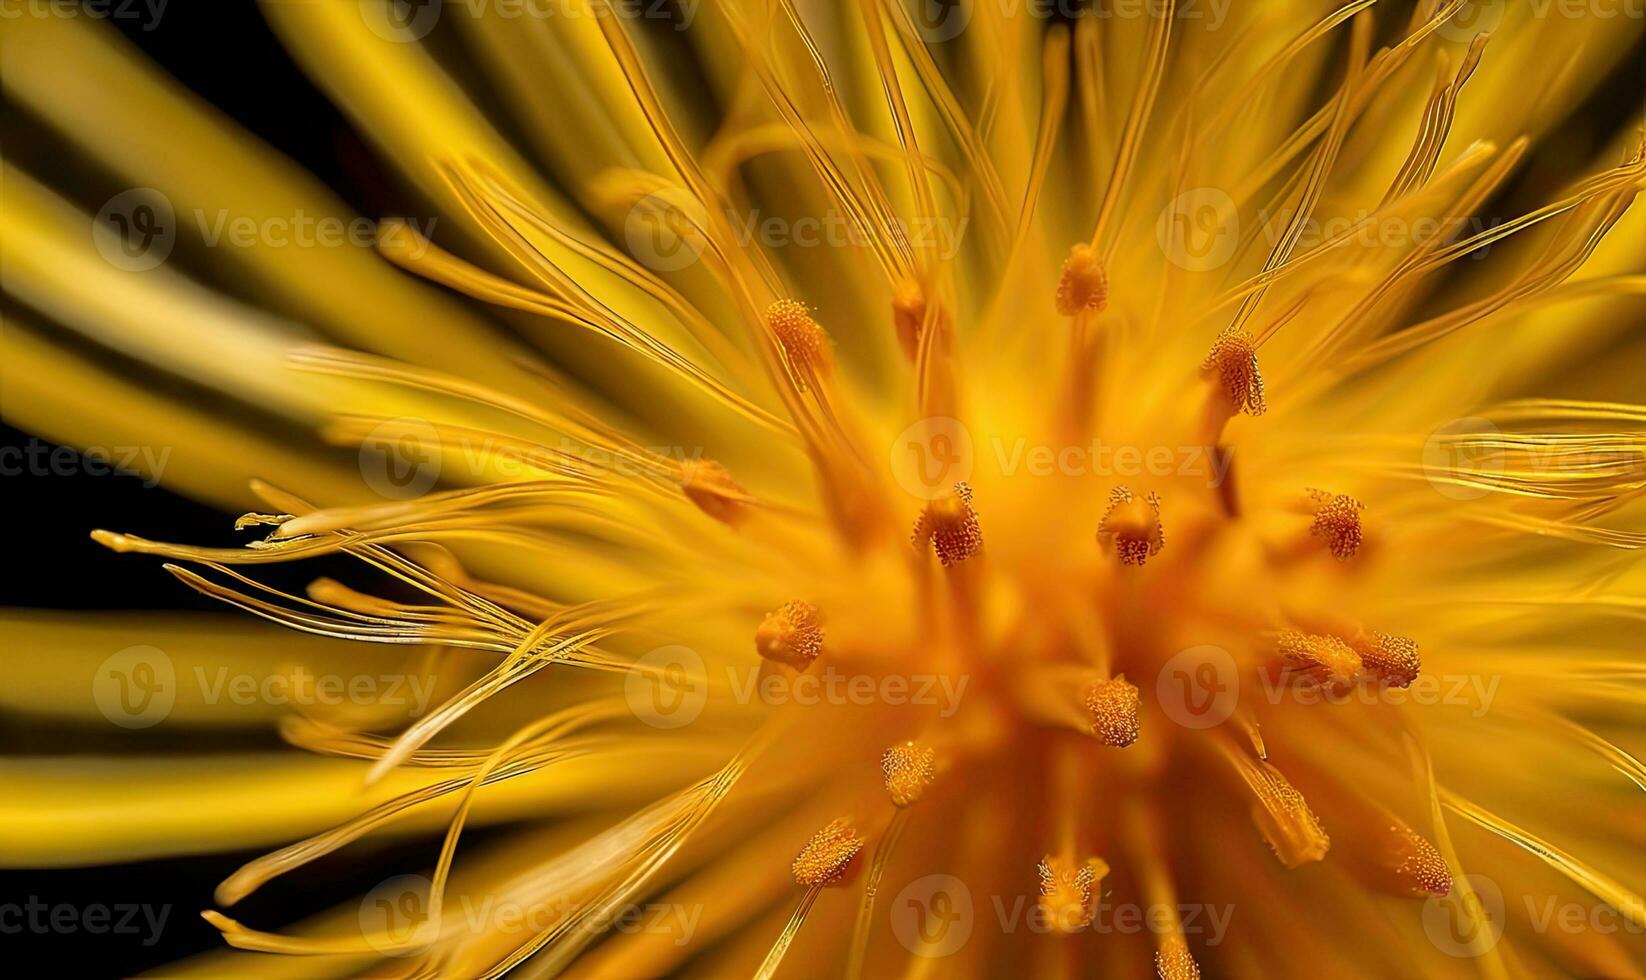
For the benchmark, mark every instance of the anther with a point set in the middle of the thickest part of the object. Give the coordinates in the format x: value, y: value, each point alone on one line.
x: 708, y: 485
x: 1233, y: 364
x: 791, y: 634
x: 1084, y: 285
x: 1113, y: 705
x: 909, y: 769
x: 1393, y: 659
x: 1175, y: 963
x: 828, y: 855
x: 1337, y: 522
x: 1066, y: 890
x: 1131, y: 527
x: 951, y: 525
x: 1417, y: 865
x: 805, y: 344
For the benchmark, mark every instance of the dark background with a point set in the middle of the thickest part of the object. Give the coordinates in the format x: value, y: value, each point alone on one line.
x: 223, y: 50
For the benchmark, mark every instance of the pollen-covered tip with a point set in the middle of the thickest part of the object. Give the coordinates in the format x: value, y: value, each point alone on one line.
x: 1320, y: 654
x: 1286, y: 821
x: 1067, y: 890
x: 828, y: 855
x: 791, y: 634
x: 909, y: 769
x: 1113, y: 705
x: 804, y: 342
x: 1233, y: 364
x: 1393, y: 659
x: 951, y: 526
x: 1337, y: 522
x: 707, y: 484
x: 1131, y: 527
x: 1084, y: 284
x: 1175, y: 963
x: 1418, y: 867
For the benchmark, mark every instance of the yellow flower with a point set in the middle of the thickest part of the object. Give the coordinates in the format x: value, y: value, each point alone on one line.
x: 1260, y: 381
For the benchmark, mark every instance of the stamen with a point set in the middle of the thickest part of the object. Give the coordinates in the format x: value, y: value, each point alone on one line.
x: 1337, y: 521
x: 1394, y: 659
x: 828, y: 855
x: 909, y: 769
x: 1175, y: 963
x: 1084, y: 285
x: 708, y: 485
x: 805, y: 344
x: 909, y: 315
x: 1066, y: 890
x: 951, y: 525
x: 1320, y: 654
x: 1113, y: 705
x: 1416, y: 863
x: 1233, y: 359
x: 1131, y: 527
x: 791, y: 634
